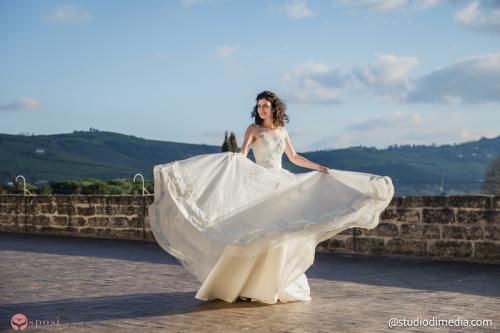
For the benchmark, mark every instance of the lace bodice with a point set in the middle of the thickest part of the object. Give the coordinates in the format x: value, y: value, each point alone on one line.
x: 269, y: 147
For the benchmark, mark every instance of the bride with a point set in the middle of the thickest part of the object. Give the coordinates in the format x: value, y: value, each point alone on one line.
x: 269, y: 114
x: 249, y: 230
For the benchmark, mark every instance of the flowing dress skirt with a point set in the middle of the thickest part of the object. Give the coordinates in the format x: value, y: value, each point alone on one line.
x: 247, y: 231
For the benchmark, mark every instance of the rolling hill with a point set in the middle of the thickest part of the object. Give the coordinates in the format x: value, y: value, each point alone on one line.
x: 108, y: 155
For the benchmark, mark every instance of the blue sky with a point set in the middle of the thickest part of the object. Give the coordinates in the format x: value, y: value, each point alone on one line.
x: 364, y: 72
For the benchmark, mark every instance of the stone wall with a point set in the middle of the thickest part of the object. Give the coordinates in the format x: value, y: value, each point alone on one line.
x: 458, y: 227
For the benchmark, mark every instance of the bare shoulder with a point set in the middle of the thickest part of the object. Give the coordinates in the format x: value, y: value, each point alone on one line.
x: 252, y: 128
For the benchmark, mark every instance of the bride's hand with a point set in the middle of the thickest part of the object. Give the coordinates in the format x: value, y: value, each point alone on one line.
x: 323, y: 169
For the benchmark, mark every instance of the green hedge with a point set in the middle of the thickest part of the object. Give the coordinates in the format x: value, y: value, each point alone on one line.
x: 83, y: 186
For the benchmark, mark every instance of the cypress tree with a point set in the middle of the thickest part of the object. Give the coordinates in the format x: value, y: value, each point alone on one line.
x: 232, y: 142
x: 226, y: 145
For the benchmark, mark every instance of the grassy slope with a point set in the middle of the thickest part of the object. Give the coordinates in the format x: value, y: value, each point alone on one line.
x: 106, y: 155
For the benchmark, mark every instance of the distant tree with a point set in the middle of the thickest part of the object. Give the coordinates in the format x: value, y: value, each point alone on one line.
x: 93, y: 186
x: 44, y: 188
x: 226, y: 145
x: 491, y: 183
x: 65, y: 187
x: 233, y: 145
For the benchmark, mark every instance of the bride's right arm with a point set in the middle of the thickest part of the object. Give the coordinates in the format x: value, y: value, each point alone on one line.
x: 247, y: 140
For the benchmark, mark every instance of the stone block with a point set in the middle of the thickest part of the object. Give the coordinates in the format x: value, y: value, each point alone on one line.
x: 65, y: 209
x: 8, y: 208
x: 97, y: 199
x: 136, y: 222
x: 470, y: 216
x: 81, y: 200
x: 468, y: 201
x: 48, y: 208
x: 418, y: 231
x: 37, y: 220
x: 39, y: 199
x: 63, y: 199
x: 77, y: 221
x: 404, y: 246
x: 438, y: 215
x: 366, y: 245
x: 119, y: 222
x: 98, y: 221
x: 119, y: 199
x: 423, y: 201
x: 7, y: 219
x: 487, y: 250
x: 129, y: 210
x: 85, y: 210
x: 382, y: 229
x: 447, y: 248
x: 400, y: 215
x: 32, y: 209
x: 59, y: 220
x: 462, y: 232
x: 492, y: 232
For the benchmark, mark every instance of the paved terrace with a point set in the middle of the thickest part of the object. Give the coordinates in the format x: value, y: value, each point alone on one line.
x: 103, y: 285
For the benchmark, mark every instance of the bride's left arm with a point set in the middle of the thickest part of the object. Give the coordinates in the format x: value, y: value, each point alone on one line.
x: 300, y: 160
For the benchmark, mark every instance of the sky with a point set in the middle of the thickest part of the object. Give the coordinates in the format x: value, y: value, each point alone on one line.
x: 361, y: 72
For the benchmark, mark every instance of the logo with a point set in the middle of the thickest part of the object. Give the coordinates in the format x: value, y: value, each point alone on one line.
x: 19, y: 322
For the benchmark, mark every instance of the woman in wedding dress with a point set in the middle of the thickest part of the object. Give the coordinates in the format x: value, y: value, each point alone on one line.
x: 249, y: 230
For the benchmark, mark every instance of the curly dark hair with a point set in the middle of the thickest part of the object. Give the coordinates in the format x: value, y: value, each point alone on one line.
x: 278, y: 106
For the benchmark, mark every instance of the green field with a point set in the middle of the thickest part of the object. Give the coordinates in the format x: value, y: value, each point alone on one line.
x: 108, y: 155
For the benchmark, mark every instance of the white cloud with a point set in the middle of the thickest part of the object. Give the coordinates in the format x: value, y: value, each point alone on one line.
x: 25, y: 103
x: 439, y: 128
x: 425, y: 4
x: 477, y: 15
x: 313, y: 82
x: 389, y: 120
x: 473, y: 80
x: 226, y: 50
x: 391, y: 5
x: 386, y: 70
x: 375, y: 5
x: 297, y: 9
x: 480, y: 16
x: 69, y: 14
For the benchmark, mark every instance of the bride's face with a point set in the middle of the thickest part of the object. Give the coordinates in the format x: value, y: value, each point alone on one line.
x: 264, y: 108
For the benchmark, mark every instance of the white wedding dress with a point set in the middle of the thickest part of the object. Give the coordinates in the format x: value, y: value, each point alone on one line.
x: 250, y: 230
